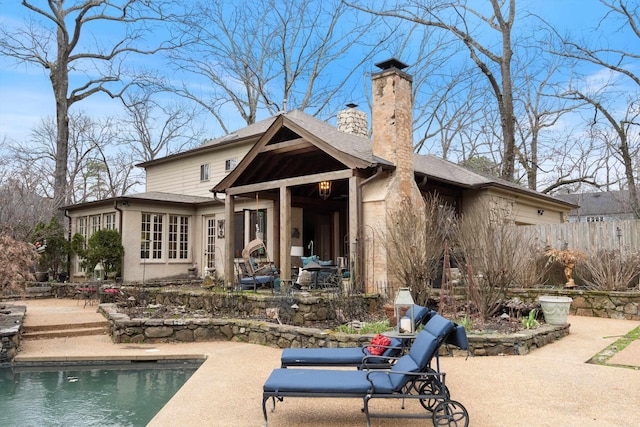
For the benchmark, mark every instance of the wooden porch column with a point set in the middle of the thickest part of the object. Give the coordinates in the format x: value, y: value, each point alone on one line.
x: 285, y: 233
x: 355, y: 214
x: 229, y: 215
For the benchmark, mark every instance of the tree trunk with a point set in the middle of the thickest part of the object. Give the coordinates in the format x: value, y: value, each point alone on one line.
x: 59, y: 76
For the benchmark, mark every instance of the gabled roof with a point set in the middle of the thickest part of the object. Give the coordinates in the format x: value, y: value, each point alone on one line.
x: 599, y: 203
x: 445, y: 171
x: 246, y: 133
x: 293, y: 133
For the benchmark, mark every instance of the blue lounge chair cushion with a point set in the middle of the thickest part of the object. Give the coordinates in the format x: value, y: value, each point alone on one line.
x: 423, y: 349
x: 355, y: 382
x: 335, y: 356
x: 458, y: 338
x: 317, y: 381
x: 439, y: 326
x: 419, y: 314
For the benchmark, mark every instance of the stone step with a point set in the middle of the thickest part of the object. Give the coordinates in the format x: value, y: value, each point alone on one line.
x: 65, y: 333
x: 65, y: 326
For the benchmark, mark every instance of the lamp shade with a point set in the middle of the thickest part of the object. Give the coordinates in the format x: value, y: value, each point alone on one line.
x: 297, y: 251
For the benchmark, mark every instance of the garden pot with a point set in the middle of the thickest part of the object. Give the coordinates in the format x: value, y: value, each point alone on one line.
x: 42, y: 276
x: 555, y: 309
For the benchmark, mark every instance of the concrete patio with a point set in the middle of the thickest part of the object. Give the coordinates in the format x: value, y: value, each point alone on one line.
x: 551, y: 386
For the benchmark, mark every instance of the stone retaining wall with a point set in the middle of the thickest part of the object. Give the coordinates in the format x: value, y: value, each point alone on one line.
x: 11, y: 319
x: 127, y: 330
x: 614, y: 305
x: 517, y: 343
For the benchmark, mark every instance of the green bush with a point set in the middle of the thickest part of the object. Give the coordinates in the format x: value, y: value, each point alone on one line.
x: 53, y: 246
x: 104, y: 247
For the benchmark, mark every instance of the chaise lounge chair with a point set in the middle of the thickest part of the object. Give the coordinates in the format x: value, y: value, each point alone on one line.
x: 351, y: 356
x: 409, y: 378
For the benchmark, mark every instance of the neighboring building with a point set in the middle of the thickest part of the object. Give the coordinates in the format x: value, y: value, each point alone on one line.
x: 602, y: 206
x: 294, y: 180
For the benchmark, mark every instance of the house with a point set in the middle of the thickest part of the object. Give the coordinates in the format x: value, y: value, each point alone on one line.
x: 295, y: 181
x: 604, y: 206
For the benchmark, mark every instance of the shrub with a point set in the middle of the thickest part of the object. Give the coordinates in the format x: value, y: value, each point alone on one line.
x: 104, y: 247
x: 51, y: 236
x: 493, y: 255
x: 414, y: 242
x: 17, y: 260
x: 610, y: 270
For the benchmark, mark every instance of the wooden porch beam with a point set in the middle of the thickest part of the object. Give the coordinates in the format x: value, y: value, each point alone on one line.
x: 289, y: 182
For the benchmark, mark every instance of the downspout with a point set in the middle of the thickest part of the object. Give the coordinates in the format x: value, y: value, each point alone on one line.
x: 66, y: 213
x: 360, y: 263
x: 115, y: 206
x: 215, y: 196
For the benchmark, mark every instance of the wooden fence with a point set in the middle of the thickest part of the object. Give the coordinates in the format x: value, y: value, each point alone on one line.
x: 588, y: 237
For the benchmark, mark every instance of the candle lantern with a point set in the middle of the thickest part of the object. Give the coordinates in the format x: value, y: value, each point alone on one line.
x: 403, y: 310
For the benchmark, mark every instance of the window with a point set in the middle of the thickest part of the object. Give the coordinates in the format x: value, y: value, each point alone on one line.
x: 595, y: 219
x: 110, y: 221
x: 95, y: 223
x: 204, y: 172
x: 229, y: 165
x: 82, y: 228
x: 178, y: 237
x: 151, y: 236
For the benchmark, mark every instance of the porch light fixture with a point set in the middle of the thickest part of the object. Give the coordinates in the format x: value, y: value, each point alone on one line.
x: 403, y: 311
x: 324, y: 188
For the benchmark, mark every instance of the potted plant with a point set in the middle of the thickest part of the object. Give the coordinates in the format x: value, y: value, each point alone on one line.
x: 52, y: 247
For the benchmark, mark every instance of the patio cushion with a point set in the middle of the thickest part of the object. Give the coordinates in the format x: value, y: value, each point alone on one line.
x: 439, y: 326
x: 343, y: 356
x: 317, y: 381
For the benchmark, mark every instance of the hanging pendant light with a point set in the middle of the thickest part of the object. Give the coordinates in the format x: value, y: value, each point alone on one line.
x: 324, y: 188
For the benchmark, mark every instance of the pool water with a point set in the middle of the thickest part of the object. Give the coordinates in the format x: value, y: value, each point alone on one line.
x: 97, y: 395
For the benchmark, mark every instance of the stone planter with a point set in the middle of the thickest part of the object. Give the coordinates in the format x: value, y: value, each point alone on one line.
x: 555, y: 309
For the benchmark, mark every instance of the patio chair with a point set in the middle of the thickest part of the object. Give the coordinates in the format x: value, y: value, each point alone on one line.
x: 409, y: 378
x: 352, y: 356
x: 256, y: 270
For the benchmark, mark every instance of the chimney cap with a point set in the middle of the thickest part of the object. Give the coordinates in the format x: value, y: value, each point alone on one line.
x: 391, y: 63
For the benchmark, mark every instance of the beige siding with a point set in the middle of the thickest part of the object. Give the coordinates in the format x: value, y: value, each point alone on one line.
x: 182, y: 176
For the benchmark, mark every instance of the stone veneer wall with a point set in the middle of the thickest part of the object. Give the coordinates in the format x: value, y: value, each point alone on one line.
x: 614, y: 305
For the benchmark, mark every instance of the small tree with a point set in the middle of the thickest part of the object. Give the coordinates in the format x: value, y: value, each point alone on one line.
x: 104, y: 247
x: 52, y: 238
x: 16, y: 262
x: 492, y: 255
x: 414, y: 241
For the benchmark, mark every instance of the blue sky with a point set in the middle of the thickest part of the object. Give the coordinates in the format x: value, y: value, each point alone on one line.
x: 27, y: 96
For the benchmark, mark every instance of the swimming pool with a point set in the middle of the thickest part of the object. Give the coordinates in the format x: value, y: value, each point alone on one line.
x: 89, y: 395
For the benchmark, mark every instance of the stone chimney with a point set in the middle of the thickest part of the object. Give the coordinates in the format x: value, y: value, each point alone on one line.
x: 392, y: 122
x: 353, y: 121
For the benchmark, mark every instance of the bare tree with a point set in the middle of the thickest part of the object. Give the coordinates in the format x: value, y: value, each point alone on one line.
x: 605, y: 100
x: 151, y: 129
x: 273, y: 56
x: 97, y: 167
x: 475, y: 29
x: 57, y: 38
